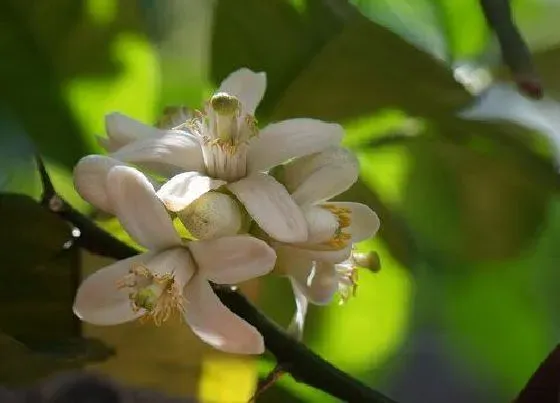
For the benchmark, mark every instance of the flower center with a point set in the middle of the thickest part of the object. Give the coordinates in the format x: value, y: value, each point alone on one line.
x: 157, y: 294
x: 224, y: 133
x: 340, y: 238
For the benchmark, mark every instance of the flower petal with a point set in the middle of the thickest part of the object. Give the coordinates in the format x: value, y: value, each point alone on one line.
x: 215, y: 324
x: 364, y: 223
x: 90, y: 178
x: 100, y: 301
x: 176, y: 261
x: 321, y: 176
x: 272, y: 207
x: 321, y: 254
x: 123, y: 130
x: 295, y: 328
x: 318, y: 284
x: 233, y: 259
x: 174, y: 151
x: 279, y: 142
x: 183, y: 189
x: 139, y: 210
x: 247, y: 86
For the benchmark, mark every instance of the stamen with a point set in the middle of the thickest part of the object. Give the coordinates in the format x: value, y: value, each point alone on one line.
x: 343, y: 216
x: 348, y: 281
x: 157, y: 294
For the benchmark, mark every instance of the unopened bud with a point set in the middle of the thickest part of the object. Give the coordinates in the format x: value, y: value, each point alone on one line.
x: 213, y: 215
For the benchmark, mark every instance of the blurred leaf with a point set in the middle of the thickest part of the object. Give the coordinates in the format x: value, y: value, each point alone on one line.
x: 44, y: 42
x: 20, y: 365
x: 18, y: 170
x: 329, y: 54
x: 503, y: 314
x: 27, y: 226
x: 474, y: 204
x: 454, y: 30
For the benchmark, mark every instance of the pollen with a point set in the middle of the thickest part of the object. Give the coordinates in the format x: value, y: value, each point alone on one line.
x: 156, y: 294
x: 340, y: 238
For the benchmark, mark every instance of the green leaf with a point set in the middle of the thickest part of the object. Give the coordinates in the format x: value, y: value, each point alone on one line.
x: 27, y: 226
x: 474, y: 204
x: 325, y: 63
x: 49, y: 45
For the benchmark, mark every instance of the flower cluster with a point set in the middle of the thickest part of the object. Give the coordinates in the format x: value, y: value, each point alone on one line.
x: 251, y: 202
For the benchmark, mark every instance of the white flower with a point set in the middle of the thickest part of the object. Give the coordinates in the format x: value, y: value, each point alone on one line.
x: 172, y: 275
x: 324, y: 264
x: 221, y: 147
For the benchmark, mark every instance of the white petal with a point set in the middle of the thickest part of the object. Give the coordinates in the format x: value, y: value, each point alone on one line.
x: 279, y: 142
x: 90, y: 178
x: 247, y: 86
x: 123, y: 130
x: 176, y: 261
x: 319, y: 284
x: 233, y: 259
x: 139, y: 210
x: 215, y: 324
x: 320, y: 254
x: 175, y: 151
x: 183, y: 189
x: 98, y: 299
x: 321, y: 176
x: 272, y: 207
x: 322, y: 224
x: 364, y: 223
x: 295, y: 328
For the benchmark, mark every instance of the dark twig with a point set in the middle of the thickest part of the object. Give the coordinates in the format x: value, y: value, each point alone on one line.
x: 515, y: 52
x: 544, y: 385
x: 294, y: 357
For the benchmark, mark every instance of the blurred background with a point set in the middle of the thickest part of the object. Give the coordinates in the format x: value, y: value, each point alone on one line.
x: 460, y: 167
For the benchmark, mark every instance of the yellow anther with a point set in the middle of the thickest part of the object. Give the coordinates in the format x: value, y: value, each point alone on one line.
x: 156, y: 294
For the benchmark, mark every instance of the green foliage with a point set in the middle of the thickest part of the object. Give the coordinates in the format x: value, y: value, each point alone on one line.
x: 469, y: 220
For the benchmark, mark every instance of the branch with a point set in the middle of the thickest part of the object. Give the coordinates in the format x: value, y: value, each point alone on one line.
x: 515, y: 52
x: 294, y: 357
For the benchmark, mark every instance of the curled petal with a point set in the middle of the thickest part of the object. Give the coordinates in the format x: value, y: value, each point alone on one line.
x: 139, y: 210
x: 215, y: 324
x: 321, y: 176
x: 295, y: 328
x: 99, y: 300
x: 272, y: 207
x: 279, y: 142
x: 90, y: 178
x: 174, y: 151
x: 122, y: 130
x: 183, y: 189
x: 247, y: 86
x: 319, y: 284
x: 233, y: 259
